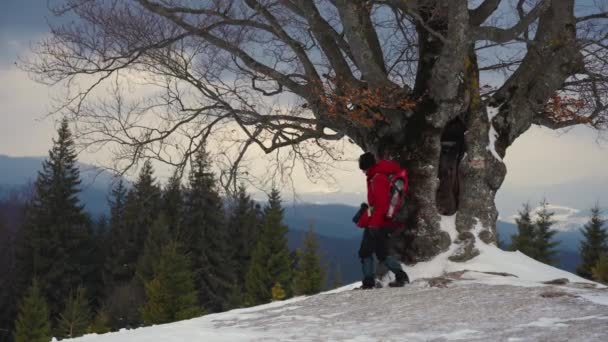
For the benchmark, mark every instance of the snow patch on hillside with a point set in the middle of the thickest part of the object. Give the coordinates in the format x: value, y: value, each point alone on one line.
x: 527, y: 271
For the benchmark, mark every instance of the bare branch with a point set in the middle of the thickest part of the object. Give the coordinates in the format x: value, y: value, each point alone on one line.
x: 603, y: 15
x: 225, y: 45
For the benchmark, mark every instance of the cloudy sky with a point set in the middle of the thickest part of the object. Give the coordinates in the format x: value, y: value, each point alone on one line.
x: 540, y: 157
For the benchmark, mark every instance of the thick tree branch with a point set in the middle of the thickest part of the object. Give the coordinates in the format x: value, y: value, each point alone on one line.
x: 554, y: 57
x: 361, y: 35
x: 480, y: 14
x: 332, y: 45
x: 500, y: 35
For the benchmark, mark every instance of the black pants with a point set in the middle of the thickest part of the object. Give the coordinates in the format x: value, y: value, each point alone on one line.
x: 375, y: 241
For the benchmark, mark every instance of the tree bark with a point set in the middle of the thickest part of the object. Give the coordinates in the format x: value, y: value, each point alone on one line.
x: 469, y: 186
x: 423, y: 168
x: 481, y: 173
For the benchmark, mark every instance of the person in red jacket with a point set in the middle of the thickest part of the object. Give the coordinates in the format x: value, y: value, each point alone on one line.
x: 377, y: 227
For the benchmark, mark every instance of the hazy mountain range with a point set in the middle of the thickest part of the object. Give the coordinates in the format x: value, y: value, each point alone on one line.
x: 16, y: 173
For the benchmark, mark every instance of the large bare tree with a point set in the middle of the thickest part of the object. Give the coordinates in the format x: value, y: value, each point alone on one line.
x: 443, y: 86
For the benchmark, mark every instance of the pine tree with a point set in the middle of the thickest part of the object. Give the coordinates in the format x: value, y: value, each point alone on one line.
x: 309, y: 275
x: 173, y: 203
x: 142, y: 207
x: 8, y: 302
x: 205, y: 237
x: 101, y: 226
x: 594, y: 244
x: 133, y: 214
x: 120, y: 244
x: 100, y: 246
x: 101, y: 322
x: 523, y: 241
x: 55, y: 242
x: 543, y: 244
x: 270, y: 262
x: 600, y: 270
x: 171, y: 294
x: 32, y: 324
x: 76, y: 318
x: 123, y: 304
x: 158, y: 236
x: 243, y: 228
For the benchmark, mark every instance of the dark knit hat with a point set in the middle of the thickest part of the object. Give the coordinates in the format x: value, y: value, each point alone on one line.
x: 366, y: 160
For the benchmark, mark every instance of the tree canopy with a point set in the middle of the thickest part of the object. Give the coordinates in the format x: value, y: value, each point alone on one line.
x: 290, y: 78
x: 292, y: 71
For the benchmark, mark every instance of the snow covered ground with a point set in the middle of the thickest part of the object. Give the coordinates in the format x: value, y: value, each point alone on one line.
x: 446, y: 302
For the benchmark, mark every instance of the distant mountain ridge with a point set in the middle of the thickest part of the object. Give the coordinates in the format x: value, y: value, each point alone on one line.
x: 17, y: 172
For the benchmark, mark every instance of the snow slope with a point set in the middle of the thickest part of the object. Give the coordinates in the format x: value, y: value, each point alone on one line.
x: 446, y: 301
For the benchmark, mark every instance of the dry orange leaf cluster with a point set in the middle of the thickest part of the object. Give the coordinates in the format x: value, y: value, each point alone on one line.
x: 362, y: 106
x: 564, y: 108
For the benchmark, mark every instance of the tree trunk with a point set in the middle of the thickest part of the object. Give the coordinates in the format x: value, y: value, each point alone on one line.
x: 423, y: 155
x: 466, y: 177
x: 481, y: 172
x: 455, y: 169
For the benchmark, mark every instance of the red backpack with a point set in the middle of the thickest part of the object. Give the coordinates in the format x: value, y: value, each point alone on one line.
x: 397, y: 209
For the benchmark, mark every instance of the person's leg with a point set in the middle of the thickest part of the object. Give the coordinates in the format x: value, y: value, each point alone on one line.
x: 367, y: 260
x: 382, y: 243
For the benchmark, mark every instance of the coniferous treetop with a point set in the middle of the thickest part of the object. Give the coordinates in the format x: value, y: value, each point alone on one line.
x: 524, y: 215
x: 57, y: 184
x: 201, y: 171
x: 544, y: 244
x: 173, y: 198
x: 274, y: 202
x: 145, y: 186
x: 118, y: 196
x: 595, y: 230
x: 205, y: 235
x: 595, y: 243
x: 523, y: 240
x: 55, y: 243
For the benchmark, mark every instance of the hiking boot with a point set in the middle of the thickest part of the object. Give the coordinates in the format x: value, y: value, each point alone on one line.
x: 368, y: 283
x: 401, y: 279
